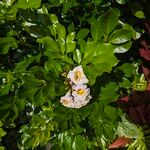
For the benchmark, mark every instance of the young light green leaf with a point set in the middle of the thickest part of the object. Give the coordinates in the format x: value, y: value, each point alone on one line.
x: 24, y: 4
x: 140, y: 14
x: 70, y: 37
x: 70, y: 46
x: 82, y: 34
x: 77, y: 56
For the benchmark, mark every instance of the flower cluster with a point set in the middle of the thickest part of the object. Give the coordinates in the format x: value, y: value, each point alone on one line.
x: 79, y: 95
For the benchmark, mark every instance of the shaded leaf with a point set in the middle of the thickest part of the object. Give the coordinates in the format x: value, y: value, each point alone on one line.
x: 6, y: 43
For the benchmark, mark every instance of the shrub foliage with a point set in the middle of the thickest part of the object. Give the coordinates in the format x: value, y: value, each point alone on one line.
x: 41, y: 41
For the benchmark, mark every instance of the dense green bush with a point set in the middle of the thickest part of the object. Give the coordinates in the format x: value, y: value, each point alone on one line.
x: 40, y: 42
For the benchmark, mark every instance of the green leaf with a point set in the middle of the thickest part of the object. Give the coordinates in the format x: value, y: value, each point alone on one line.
x: 38, y: 131
x: 7, y: 80
x: 120, y: 36
x: 2, y: 132
x: 71, y: 142
x: 39, y: 98
x: 82, y: 34
x: 70, y: 46
x: 122, y: 1
x: 5, y: 89
x: 30, y: 87
x: 110, y: 88
x: 62, y: 44
x: 128, y: 69
x: 128, y: 129
x: 70, y: 37
x: 96, y: 2
x: 61, y: 31
x: 77, y: 56
x: 82, y: 44
x: 54, y: 66
x: 135, y: 34
x: 24, y: 4
x: 49, y: 91
x: 54, y: 19
x: 2, y: 148
x: 49, y: 44
x: 42, y: 10
x: 97, y: 29
x: 96, y: 117
x: 109, y: 21
x: 138, y: 144
x: 110, y: 113
x: 140, y: 14
x: 70, y: 28
x: 52, y: 29
x: 123, y: 48
x: 98, y: 58
x: 79, y: 143
x: 139, y: 83
x: 66, y: 59
x: 22, y: 66
x: 6, y: 43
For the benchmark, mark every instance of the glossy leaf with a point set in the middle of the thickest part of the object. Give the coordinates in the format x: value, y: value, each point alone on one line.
x: 40, y: 128
x: 120, y: 36
x: 70, y: 37
x: 98, y: 55
x: 123, y: 48
x: 128, y: 129
x: 77, y: 56
x: 122, y: 1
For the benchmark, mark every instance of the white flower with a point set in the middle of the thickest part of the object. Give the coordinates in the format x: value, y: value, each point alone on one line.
x: 77, y: 76
x: 80, y: 92
x: 67, y: 100
x: 79, y: 104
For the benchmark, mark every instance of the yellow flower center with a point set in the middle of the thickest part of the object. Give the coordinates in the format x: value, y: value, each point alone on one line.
x: 66, y: 101
x: 81, y: 91
x: 77, y: 75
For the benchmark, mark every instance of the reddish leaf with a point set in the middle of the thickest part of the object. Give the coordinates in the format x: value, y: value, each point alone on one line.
x: 148, y: 87
x: 146, y: 26
x: 145, y: 53
x: 120, y: 142
x: 146, y: 72
x: 144, y: 44
x: 123, y: 102
x: 137, y: 114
